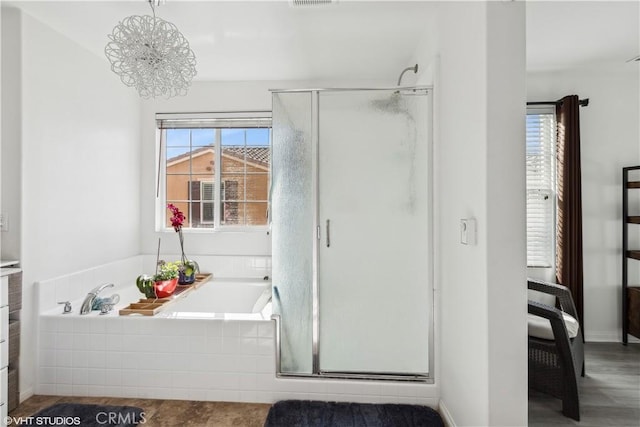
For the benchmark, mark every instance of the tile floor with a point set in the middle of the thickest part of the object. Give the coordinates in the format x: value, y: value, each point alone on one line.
x: 169, y: 413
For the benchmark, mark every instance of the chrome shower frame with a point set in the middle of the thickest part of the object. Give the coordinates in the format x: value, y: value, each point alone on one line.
x: 317, y: 373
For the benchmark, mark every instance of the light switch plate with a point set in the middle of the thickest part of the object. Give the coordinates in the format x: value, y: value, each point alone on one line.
x: 468, y: 231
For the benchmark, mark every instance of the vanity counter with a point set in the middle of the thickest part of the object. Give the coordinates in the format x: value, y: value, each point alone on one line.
x: 7, y: 271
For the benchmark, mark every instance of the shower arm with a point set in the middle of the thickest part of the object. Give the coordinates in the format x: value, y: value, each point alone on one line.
x: 414, y: 68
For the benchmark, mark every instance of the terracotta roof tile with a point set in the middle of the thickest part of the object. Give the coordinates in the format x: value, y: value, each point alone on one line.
x: 260, y: 155
x: 254, y: 154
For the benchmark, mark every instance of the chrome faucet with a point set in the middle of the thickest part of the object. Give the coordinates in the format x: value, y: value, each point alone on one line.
x: 91, y: 296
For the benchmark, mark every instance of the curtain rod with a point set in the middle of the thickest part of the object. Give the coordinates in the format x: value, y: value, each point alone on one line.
x: 582, y: 102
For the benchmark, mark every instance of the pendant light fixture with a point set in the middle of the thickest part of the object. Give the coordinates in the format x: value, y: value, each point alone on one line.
x: 152, y: 55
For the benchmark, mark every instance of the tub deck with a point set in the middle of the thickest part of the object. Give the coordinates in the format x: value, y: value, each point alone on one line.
x: 153, y: 306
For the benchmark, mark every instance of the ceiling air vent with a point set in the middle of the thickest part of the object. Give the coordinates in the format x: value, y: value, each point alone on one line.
x: 309, y: 3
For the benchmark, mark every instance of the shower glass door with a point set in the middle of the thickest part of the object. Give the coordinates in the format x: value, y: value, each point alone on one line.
x: 293, y: 210
x: 351, y: 232
x: 374, y: 215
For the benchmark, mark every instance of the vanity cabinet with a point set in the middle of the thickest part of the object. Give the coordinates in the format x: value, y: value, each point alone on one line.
x: 4, y: 346
x: 10, y: 306
x: 13, y: 337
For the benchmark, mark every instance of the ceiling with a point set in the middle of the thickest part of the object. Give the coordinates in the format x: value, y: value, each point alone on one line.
x: 264, y: 40
x: 351, y: 40
x: 573, y: 34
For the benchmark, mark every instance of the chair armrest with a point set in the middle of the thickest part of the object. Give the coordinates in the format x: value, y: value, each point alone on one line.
x: 554, y: 316
x: 561, y: 292
x: 543, y: 310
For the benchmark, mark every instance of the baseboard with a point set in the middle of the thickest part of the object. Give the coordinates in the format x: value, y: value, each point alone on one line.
x: 25, y: 394
x: 607, y: 337
x: 446, y: 415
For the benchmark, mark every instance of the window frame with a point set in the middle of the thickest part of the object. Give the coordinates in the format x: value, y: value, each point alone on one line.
x: 218, y: 121
x: 553, y: 191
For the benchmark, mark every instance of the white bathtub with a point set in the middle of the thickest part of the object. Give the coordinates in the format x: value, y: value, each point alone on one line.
x: 211, y: 344
x: 225, y: 299
x: 219, y: 298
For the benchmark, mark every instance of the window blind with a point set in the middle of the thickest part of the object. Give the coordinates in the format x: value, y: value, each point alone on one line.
x: 541, y: 194
x: 257, y: 119
x: 207, y: 192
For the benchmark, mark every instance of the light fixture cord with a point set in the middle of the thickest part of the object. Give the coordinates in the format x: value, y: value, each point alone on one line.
x: 152, y: 3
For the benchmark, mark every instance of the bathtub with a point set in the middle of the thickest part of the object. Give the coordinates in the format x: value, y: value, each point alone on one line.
x: 225, y: 299
x: 219, y: 298
x: 214, y: 343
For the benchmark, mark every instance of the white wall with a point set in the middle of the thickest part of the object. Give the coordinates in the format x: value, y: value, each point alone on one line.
x: 480, y: 112
x: 610, y: 138
x: 462, y: 269
x: 80, y: 157
x: 506, y: 214
x: 1, y: 138
x: 11, y: 129
x: 1, y: 123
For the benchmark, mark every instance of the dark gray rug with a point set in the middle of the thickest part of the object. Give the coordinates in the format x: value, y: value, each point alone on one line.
x: 85, y: 415
x: 309, y: 413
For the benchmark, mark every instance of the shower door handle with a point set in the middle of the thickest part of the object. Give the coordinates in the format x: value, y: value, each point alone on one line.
x: 328, y: 233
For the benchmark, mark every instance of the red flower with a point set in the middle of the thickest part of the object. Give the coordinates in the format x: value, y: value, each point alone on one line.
x: 178, y: 217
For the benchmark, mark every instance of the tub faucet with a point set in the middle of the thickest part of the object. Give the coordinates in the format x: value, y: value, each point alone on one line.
x: 91, y: 296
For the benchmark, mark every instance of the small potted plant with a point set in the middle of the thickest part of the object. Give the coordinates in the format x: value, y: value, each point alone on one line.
x: 166, y: 279
x: 145, y: 284
x: 188, y: 270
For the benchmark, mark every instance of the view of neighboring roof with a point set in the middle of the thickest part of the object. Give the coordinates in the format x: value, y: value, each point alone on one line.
x: 254, y: 154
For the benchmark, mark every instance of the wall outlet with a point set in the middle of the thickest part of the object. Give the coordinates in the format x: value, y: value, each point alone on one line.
x: 4, y: 221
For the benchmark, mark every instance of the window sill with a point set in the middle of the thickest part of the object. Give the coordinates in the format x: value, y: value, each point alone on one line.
x: 227, y: 229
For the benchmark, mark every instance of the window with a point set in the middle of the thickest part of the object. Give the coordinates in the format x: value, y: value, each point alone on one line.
x: 541, y: 187
x: 215, y: 168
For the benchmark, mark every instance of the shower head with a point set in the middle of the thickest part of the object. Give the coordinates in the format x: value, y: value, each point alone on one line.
x: 414, y: 69
x: 393, y: 103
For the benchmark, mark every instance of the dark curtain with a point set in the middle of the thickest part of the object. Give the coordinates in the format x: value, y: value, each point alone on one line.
x: 569, y: 230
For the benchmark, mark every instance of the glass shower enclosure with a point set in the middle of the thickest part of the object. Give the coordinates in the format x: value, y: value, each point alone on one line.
x: 351, y: 212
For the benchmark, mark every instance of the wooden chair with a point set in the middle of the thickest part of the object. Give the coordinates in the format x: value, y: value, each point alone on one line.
x: 554, y: 364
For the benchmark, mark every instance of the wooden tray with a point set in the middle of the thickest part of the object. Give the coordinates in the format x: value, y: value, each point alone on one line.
x: 152, y: 306
x: 201, y: 279
x: 146, y: 309
x: 153, y: 300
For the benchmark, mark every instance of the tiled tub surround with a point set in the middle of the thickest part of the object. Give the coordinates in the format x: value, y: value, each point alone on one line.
x: 219, y: 357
